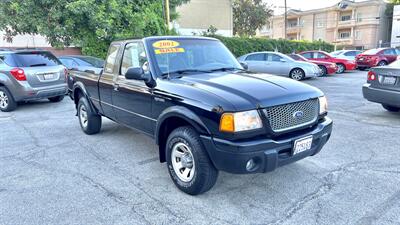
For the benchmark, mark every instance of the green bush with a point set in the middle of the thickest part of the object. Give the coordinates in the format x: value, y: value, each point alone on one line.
x: 241, y: 46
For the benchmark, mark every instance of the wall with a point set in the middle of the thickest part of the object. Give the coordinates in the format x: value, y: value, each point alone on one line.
x: 396, y: 27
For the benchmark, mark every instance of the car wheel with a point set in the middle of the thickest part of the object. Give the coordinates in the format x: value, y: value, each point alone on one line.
x: 382, y: 63
x: 324, y: 71
x: 188, y: 163
x: 7, y: 102
x: 90, y: 122
x: 341, y: 68
x: 57, y: 98
x: 297, y: 74
x: 391, y: 108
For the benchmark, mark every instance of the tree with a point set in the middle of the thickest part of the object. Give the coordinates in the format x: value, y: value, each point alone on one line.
x: 249, y: 16
x: 91, y: 24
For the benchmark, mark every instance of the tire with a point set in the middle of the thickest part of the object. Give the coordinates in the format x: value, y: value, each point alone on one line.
x: 184, y: 145
x: 341, y: 68
x: 57, y: 98
x: 382, y: 63
x: 90, y: 122
x: 324, y: 70
x: 7, y: 102
x: 391, y: 108
x: 297, y: 74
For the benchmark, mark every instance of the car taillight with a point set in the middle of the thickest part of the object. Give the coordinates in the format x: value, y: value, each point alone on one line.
x: 18, y: 74
x: 371, y: 75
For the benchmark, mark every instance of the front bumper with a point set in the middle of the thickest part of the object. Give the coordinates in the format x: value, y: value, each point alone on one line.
x: 351, y: 66
x: 332, y: 70
x: 268, y: 154
x: 382, y: 96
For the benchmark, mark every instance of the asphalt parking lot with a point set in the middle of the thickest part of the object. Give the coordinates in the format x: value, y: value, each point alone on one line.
x: 52, y: 173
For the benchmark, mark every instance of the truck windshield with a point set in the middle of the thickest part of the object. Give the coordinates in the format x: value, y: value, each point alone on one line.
x: 193, y: 55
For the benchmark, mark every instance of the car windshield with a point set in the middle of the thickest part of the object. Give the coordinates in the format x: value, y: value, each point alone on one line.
x: 372, y: 51
x: 193, y: 55
x: 298, y: 57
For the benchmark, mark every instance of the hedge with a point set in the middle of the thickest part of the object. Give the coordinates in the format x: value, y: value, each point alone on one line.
x: 241, y: 46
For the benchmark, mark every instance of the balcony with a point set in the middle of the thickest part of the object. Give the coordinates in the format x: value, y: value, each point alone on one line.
x: 293, y: 28
x: 346, y: 23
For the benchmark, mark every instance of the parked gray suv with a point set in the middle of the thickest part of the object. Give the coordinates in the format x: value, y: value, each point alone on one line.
x: 29, y: 75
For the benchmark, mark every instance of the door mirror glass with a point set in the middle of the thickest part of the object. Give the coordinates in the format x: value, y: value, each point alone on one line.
x: 135, y: 73
x: 244, y: 65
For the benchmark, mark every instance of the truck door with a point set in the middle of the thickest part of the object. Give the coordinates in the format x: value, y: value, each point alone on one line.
x: 106, y: 83
x: 132, y: 98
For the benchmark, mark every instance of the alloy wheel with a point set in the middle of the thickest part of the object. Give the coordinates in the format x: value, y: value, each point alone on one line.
x: 297, y: 74
x: 3, y: 100
x: 83, y: 116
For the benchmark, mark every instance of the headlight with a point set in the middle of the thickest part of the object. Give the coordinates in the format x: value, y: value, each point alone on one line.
x: 241, y: 121
x: 323, y: 105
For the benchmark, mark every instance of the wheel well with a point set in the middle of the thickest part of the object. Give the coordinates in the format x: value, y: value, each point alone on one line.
x: 166, y: 128
x: 383, y: 61
x: 77, y: 95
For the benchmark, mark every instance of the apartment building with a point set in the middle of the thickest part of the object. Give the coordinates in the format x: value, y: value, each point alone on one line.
x: 197, y: 16
x: 396, y: 27
x: 348, y: 24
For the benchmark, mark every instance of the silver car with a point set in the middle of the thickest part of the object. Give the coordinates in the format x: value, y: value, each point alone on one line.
x: 279, y: 64
x: 29, y: 75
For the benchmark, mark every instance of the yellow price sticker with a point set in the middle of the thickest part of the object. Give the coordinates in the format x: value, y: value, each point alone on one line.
x: 165, y: 44
x: 169, y: 50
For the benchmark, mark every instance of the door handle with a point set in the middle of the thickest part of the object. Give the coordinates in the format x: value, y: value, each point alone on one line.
x: 116, y: 87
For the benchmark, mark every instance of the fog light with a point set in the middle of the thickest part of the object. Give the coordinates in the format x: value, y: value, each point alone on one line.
x: 250, y: 165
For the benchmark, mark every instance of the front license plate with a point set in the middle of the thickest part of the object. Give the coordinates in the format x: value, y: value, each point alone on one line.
x: 389, y: 80
x: 302, y: 145
x: 48, y: 76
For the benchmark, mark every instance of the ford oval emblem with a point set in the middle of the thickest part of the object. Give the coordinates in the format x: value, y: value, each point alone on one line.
x: 298, y: 115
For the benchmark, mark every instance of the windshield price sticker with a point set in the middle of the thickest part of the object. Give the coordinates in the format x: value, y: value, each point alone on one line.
x: 165, y: 44
x: 169, y: 50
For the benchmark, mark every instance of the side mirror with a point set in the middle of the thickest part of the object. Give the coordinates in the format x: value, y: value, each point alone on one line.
x: 282, y: 60
x: 244, y: 65
x: 136, y: 73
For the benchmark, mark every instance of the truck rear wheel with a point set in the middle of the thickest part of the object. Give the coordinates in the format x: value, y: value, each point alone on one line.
x: 90, y: 122
x: 7, y: 102
x: 188, y: 163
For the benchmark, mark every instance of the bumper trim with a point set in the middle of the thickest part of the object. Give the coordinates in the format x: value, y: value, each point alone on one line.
x: 269, y: 154
x: 381, y: 96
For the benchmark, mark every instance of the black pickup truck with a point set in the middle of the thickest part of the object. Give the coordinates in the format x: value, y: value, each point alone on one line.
x: 204, y: 110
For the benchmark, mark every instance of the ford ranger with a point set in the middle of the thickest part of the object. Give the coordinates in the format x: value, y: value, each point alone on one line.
x: 204, y: 110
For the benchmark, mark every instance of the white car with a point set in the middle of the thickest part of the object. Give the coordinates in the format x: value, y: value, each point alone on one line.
x: 346, y: 54
x: 279, y: 64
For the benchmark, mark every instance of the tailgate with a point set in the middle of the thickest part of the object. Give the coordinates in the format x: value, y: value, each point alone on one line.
x: 45, y: 75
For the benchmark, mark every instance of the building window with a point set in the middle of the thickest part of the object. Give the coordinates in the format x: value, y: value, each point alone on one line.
x: 359, y: 17
x: 320, y: 24
x: 358, y: 35
x: 344, y: 35
x: 346, y: 18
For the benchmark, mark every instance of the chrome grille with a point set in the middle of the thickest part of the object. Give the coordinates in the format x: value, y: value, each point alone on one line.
x: 293, y: 115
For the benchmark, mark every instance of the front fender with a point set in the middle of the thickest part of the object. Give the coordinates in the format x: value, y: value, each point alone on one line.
x: 79, y: 86
x: 182, y: 113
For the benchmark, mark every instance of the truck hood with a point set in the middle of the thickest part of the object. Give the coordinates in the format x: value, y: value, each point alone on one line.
x: 246, y: 91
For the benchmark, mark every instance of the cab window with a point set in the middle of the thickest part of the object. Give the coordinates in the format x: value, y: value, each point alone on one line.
x: 134, y: 56
x: 111, y: 58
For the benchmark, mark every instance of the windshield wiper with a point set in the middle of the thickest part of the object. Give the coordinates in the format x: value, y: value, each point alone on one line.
x: 180, y: 72
x: 228, y: 69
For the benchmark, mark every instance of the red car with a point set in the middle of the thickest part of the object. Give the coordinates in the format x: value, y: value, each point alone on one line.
x: 326, y: 67
x: 376, y: 57
x: 342, y: 64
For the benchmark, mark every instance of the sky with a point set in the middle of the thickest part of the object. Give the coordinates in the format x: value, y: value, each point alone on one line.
x: 301, y: 4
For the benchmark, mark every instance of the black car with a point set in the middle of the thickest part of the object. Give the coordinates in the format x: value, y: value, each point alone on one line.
x: 383, y: 86
x: 82, y: 63
x: 205, y: 112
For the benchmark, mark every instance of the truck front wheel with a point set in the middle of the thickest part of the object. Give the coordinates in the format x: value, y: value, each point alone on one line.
x: 188, y: 163
x: 90, y: 122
